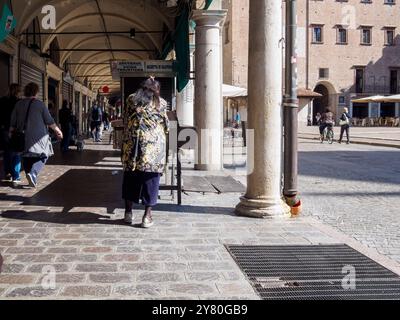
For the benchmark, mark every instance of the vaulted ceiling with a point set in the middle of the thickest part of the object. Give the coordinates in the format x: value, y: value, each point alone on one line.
x: 93, y: 25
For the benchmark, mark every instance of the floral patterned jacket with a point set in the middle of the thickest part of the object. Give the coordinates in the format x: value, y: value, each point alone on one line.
x: 148, y: 126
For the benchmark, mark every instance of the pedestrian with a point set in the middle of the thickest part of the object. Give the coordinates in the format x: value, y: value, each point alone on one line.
x: 12, y: 160
x: 106, y: 120
x: 237, y: 120
x: 318, y: 119
x: 65, y: 118
x: 96, y: 117
x: 326, y: 121
x: 144, y: 149
x: 344, y: 122
x: 32, y: 117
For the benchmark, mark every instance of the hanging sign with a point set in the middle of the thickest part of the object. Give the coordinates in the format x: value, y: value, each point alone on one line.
x: 7, y: 23
x: 124, y: 69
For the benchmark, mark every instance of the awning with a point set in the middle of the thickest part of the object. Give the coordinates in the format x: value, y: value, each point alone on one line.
x: 307, y: 93
x: 394, y: 98
x: 232, y: 91
x: 369, y: 99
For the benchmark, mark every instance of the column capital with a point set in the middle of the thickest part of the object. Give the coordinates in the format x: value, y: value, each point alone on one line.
x: 212, y: 18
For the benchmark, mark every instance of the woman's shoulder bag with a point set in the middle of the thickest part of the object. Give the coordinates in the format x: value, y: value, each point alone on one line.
x: 17, y: 140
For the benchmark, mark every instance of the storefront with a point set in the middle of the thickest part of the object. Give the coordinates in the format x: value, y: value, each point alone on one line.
x: 68, y: 89
x: 5, y: 73
x: 32, y: 69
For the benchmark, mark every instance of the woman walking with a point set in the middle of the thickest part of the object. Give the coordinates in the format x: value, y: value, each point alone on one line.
x: 12, y: 160
x: 344, y: 125
x: 32, y: 117
x: 144, y: 149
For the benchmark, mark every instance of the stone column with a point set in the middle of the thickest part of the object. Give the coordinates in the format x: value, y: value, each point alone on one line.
x: 263, y: 197
x: 208, y: 110
x: 185, y: 100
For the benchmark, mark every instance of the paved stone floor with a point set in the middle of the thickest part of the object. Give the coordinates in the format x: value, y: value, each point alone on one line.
x: 353, y: 188
x: 71, y: 227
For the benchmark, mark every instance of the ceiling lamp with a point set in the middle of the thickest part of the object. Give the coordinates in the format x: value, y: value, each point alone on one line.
x: 133, y: 33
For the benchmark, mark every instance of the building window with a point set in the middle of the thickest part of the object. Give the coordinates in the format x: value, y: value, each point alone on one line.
x: 317, y: 34
x: 366, y: 35
x: 342, y: 100
x: 359, y: 80
x: 389, y: 36
x: 341, y: 35
x: 227, y: 40
x: 394, y: 81
x: 323, y: 73
x: 390, y: 2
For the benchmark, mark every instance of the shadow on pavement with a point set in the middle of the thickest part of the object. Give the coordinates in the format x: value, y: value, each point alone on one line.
x: 60, y: 217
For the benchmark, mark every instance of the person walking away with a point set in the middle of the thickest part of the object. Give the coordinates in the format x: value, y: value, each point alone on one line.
x: 237, y: 120
x: 96, y: 117
x: 32, y: 115
x: 144, y: 149
x: 65, y: 117
x: 12, y: 160
x: 345, y: 125
x: 326, y: 122
x: 106, y: 120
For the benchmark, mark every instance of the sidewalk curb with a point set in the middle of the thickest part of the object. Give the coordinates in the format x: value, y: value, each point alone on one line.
x: 375, y: 144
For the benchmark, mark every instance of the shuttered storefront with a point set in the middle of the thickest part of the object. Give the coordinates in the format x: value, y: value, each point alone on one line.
x: 30, y: 74
x: 67, y: 92
x: 5, y: 73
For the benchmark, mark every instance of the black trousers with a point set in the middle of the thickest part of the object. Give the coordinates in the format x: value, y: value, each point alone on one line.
x: 141, y: 186
x: 342, y: 130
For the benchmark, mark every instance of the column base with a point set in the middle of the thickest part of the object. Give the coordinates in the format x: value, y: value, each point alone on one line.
x: 274, y: 208
x: 208, y: 167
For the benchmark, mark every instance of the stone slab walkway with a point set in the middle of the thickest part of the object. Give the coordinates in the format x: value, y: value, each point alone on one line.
x: 66, y: 239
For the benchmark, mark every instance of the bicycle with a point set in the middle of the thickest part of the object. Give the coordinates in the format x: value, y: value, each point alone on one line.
x: 327, y: 135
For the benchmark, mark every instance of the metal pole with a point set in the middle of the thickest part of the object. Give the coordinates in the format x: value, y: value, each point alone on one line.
x: 291, y: 105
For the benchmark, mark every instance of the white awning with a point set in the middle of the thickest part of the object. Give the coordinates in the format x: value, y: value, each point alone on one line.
x: 369, y: 99
x: 232, y: 92
x: 395, y: 98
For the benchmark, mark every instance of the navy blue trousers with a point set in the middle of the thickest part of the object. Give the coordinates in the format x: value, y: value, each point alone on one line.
x: 141, y: 186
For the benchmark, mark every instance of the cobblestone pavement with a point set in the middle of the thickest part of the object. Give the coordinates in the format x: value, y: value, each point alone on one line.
x: 71, y: 226
x: 356, y: 189
x: 353, y: 188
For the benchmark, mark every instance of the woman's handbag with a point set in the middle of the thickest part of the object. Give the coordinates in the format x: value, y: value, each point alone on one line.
x: 344, y: 122
x: 17, y: 139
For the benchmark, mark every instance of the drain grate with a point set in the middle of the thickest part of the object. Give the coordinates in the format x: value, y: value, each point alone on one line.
x: 322, y: 272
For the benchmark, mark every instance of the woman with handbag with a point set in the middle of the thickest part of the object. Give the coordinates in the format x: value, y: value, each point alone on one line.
x: 29, y: 133
x: 344, y: 123
x: 144, y: 149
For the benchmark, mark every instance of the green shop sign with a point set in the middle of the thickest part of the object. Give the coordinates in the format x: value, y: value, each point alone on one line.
x: 7, y: 23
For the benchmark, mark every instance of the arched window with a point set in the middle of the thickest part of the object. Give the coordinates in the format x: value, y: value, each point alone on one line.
x: 33, y: 38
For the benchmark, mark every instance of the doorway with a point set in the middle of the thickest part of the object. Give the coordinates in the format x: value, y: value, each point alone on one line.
x: 320, y: 103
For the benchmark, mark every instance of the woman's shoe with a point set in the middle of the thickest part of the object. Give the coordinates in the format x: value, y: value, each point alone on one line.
x: 31, y: 180
x: 147, y: 222
x: 16, y: 183
x: 129, y: 217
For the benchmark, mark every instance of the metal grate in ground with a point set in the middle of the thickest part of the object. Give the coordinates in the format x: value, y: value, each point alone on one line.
x: 315, y: 272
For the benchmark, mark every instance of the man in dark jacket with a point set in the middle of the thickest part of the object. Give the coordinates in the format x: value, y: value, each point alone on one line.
x: 65, y: 118
x: 12, y: 161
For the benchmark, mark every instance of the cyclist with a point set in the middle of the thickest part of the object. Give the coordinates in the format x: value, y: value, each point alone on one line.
x: 326, y: 122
